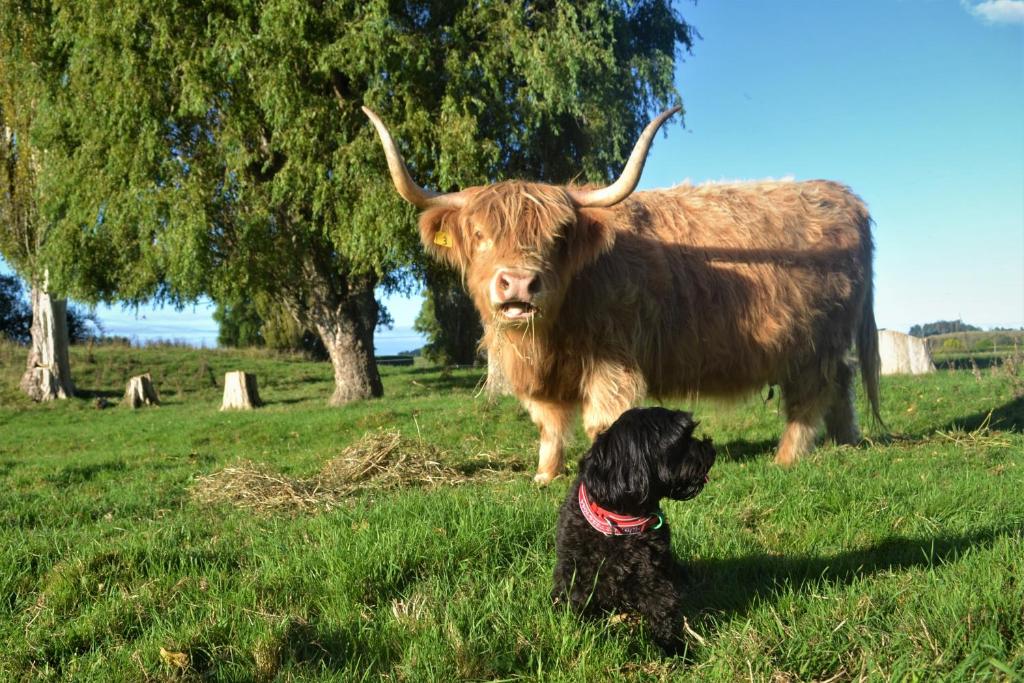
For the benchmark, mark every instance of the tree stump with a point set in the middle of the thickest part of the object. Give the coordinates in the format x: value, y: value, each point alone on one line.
x: 240, y: 391
x: 140, y: 392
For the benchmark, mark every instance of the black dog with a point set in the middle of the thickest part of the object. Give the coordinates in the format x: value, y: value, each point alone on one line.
x: 614, y: 551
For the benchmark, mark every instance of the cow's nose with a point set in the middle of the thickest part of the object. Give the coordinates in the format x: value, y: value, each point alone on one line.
x: 515, y: 285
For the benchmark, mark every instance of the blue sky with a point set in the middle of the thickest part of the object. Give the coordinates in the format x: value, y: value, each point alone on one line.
x: 918, y: 105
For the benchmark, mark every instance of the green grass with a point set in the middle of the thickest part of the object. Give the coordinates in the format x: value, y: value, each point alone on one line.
x: 900, y: 559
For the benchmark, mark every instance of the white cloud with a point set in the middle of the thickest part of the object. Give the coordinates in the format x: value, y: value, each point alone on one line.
x: 998, y: 11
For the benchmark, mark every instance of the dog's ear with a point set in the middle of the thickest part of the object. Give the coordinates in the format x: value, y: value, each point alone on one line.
x: 679, y: 428
x: 616, y: 470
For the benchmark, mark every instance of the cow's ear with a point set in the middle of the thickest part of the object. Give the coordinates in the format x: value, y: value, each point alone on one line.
x: 591, y: 236
x: 442, y: 236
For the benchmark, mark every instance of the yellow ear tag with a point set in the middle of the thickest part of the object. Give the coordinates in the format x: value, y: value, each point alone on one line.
x: 443, y: 238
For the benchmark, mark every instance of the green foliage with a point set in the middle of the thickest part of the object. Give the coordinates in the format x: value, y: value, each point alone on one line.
x: 899, y: 559
x: 15, y: 314
x: 219, y: 147
x: 22, y: 234
x: 202, y: 149
x: 952, y: 344
x: 942, y: 327
x: 448, y: 320
x: 262, y: 321
x: 238, y: 324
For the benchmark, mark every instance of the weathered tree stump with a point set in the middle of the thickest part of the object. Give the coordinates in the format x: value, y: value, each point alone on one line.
x: 48, y: 371
x: 240, y: 391
x: 140, y: 392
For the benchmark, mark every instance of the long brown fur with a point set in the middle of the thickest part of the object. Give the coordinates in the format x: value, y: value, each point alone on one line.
x: 713, y: 289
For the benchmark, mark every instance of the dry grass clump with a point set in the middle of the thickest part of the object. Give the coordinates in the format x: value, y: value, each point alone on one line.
x: 382, y: 460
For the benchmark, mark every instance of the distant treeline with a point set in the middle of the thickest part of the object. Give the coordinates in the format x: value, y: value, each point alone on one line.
x: 942, y: 327
x: 997, y: 342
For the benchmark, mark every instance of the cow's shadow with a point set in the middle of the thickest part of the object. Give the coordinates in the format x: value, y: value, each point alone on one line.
x: 742, y: 450
x: 1008, y: 417
x: 730, y: 586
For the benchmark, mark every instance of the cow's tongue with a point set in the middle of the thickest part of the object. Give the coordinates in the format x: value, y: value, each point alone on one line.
x: 516, y: 310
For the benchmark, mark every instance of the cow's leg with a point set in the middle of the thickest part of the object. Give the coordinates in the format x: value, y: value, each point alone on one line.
x: 806, y: 397
x: 553, y: 419
x: 611, y: 390
x: 841, y: 418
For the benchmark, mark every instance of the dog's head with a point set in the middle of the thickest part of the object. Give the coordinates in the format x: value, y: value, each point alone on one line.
x: 646, y: 455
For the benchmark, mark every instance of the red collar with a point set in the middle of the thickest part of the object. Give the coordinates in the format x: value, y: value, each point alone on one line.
x: 612, y: 524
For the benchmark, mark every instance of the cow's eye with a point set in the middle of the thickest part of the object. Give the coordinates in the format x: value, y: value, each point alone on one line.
x: 478, y: 235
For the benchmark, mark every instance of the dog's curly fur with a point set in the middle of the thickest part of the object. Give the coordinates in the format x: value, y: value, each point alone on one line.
x: 646, y: 455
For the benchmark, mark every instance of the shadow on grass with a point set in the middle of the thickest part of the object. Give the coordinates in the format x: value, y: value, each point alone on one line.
x: 315, y: 646
x: 78, y: 474
x: 968, y: 362
x: 730, y: 586
x: 741, y: 450
x: 446, y: 382
x: 288, y: 401
x: 97, y: 393
x: 435, y: 370
x: 479, y: 466
x: 307, y: 645
x: 1008, y: 417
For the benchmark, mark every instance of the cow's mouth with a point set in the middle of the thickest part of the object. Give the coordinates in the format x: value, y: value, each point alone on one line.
x: 516, y: 311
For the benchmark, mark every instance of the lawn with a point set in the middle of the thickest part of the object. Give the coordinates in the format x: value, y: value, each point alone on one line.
x: 899, y: 559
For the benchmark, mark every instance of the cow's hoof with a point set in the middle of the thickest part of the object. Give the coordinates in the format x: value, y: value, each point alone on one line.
x: 785, y: 463
x: 543, y: 478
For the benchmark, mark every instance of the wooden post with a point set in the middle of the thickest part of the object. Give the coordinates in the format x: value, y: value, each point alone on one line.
x: 140, y: 392
x: 240, y: 391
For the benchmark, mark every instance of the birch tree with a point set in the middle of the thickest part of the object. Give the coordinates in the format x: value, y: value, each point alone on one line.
x: 23, y: 229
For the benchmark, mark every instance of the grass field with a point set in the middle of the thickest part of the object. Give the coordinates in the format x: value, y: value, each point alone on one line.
x: 898, y: 560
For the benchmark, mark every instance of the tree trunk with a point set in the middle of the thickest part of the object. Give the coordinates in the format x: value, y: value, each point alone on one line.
x: 347, y: 332
x: 48, y: 373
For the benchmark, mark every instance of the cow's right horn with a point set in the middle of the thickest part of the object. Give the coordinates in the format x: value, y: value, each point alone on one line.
x: 410, y: 191
x: 624, y: 186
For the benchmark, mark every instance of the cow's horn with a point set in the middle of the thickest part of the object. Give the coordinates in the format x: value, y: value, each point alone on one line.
x: 624, y: 186
x: 410, y: 191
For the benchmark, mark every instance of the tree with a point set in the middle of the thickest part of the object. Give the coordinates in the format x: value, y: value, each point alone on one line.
x: 448, y: 320
x: 238, y: 324
x: 942, y: 327
x: 262, y: 322
x: 24, y: 230
x: 218, y: 147
x: 15, y: 315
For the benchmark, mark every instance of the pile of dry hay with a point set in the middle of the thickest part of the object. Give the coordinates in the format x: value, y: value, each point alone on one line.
x: 379, y: 461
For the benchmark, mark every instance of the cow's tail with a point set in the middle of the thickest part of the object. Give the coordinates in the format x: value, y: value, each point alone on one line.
x: 867, y: 345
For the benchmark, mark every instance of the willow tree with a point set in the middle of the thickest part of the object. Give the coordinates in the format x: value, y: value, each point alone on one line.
x: 23, y: 230
x: 219, y: 147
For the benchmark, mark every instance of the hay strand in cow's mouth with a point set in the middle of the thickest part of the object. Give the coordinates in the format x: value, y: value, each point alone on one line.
x: 380, y: 461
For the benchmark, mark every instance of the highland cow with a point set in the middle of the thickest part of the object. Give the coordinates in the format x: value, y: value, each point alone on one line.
x: 593, y: 298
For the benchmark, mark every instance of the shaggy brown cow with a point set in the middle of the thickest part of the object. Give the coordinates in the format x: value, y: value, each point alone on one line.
x: 594, y: 298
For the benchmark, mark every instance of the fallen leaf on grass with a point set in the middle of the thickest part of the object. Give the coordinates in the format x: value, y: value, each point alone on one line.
x: 176, y: 659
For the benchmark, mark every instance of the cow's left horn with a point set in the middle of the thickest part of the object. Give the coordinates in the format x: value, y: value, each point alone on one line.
x: 624, y: 186
x: 410, y: 191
